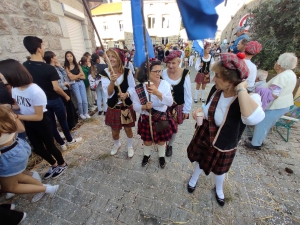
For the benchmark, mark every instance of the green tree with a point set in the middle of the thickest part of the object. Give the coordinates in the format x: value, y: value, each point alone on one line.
x: 276, y: 26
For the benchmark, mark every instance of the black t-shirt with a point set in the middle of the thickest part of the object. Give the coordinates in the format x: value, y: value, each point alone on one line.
x: 5, y: 96
x: 43, y: 74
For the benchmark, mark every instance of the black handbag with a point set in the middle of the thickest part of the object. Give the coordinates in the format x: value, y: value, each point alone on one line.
x: 161, y: 125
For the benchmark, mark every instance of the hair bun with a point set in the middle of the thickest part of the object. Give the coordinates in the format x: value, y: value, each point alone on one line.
x: 167, y: 53
x: 241, y: 55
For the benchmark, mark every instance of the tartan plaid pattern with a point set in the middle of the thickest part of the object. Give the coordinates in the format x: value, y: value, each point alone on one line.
x: 163, y: 136
x: 253, y: 47
x: 113, y: 118
x: 231, y: 61
x: 199, y: 79
x: 201, y: 150
x: 179, y: 110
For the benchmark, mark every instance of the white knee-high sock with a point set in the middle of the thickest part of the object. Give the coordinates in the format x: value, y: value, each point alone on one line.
x: 129, y: 142
x: 117, y: 142
x: 219, y: 185
x: 196, y: 174
x: 196, y: 94
x: 161, y: 150
x: 147, y: 150
x: 202, y: 94
x: 172, y: 139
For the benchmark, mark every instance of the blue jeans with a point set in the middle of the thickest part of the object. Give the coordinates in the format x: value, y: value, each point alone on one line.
x: 101, y: 96
x: 262, y: 129
x: 80, y: 93
x: 57, y: 107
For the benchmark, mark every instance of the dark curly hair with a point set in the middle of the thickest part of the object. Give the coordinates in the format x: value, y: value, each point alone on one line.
x: 142, y: 71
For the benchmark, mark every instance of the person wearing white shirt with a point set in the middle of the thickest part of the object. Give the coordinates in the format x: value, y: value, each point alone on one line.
x: 228, y: 110
x: 161, y: 99
x: 117, y: 101
x: 180, y: 82
x: 191, y: 60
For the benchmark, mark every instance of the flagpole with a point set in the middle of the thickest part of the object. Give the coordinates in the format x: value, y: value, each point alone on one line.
x: 148, y: 71
x: 96, y: 31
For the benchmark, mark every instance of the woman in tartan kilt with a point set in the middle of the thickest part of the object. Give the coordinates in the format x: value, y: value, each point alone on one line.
x: 180, y: 81
x: 116, y: 99
x: 229, y: 108
x: 161, y: 99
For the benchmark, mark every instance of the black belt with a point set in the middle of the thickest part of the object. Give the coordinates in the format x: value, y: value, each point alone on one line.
x: 9, y: 147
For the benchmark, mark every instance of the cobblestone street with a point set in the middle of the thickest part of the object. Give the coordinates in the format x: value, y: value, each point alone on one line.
x: 101, y: 189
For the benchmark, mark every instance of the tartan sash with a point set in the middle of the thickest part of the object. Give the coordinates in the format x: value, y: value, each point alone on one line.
x: 213, y: 129
x: 156, y: 115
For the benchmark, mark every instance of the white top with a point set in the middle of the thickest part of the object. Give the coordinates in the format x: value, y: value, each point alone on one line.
x: 106, y: 82
x: 287, y: 81
x: 257, y: 116
x: 200, y: 59
x: 130, y: 66
x: 29, y: 98
x: 187, y: 90
x: 160, y: 105
x: 252, y: 75
x: 261, y: 83
x: 182, y: 54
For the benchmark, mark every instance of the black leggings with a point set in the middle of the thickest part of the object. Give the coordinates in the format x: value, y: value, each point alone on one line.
x: 40, y: 136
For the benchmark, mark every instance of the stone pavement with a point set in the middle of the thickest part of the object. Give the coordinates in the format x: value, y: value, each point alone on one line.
x: 101, y: 189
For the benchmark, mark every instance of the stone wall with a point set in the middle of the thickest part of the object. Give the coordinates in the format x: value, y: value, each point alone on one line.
x: 42, y: 18
x: 231, y: 27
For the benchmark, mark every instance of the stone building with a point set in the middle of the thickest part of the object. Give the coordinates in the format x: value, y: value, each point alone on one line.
x: 62, y: 24
x: 241, y: 18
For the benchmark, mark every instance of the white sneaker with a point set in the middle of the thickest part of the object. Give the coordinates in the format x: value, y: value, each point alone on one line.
x: 36, y: 176
x: 87, y: 116
x: 9, y: 195
x: 23, y: 218
x: 82, y: 117
x: 115, y: 149
x: 37, y: 197
x: 130, y: 152
x: 75, y: 140
x: 64, y: 147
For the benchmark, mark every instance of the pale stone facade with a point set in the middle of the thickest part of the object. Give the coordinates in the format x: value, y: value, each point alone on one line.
x: 42, y: 18
x: 231, y: 27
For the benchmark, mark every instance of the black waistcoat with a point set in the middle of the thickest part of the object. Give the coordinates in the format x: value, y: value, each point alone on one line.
x: 178, y: 89
x: 205, y: 68
x: 113, y: 101
x: 230, y: 133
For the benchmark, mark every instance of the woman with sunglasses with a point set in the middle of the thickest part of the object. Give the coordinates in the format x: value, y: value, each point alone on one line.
x: 161, y: 99
x: 179, y: 79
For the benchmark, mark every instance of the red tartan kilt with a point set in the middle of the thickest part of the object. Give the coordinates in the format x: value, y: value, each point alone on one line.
x: 113, y: 118
x: 209, y: 158
x: 199, y: 79
x: 180, y: 115
x: 163, y: 136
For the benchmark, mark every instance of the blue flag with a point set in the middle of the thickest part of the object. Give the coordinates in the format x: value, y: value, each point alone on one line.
x: 199, y: 17
x: 138, y: 35
x: 198, y: 46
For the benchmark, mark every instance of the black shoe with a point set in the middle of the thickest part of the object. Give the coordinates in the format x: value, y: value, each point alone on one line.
x: 162, y: 162
x: 249, y: 145
x: 203, y: 101
x: 145, y: 160
x: 250, y: 139
x: 195, y: 100
x: 60, y: 170
x: 104, y: 113
x: 50, y: 172
x: 169, y: 151
x: 100, y: 113
x: 220, y: 201
x: 190, y: 188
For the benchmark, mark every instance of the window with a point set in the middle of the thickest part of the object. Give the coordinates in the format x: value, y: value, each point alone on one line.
x: 105, y: 26
x: 165, y: 21
x: 121, y: 25
x: 116, y: 44
x: 165, y: 40
x: 151, y: 21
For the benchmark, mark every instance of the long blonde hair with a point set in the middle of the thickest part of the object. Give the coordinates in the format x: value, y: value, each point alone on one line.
x: 120, y: 66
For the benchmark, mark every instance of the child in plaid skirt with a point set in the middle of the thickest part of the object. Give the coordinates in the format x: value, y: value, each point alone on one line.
x: 228, y: 108
x: 161, y: 98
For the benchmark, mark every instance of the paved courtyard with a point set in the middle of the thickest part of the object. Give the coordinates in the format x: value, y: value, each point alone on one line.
x: 101, y: 189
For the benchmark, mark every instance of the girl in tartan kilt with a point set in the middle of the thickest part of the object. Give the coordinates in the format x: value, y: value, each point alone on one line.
x: 116, y: 99
x: 180, y: 81
x: 229, y: 108
x: 161, y: 99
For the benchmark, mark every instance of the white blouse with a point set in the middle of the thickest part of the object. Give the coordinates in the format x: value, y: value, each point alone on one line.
x: 160, y: 105
x: 187, y: 90
x: 257, y: 116
x: 106, y: 82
